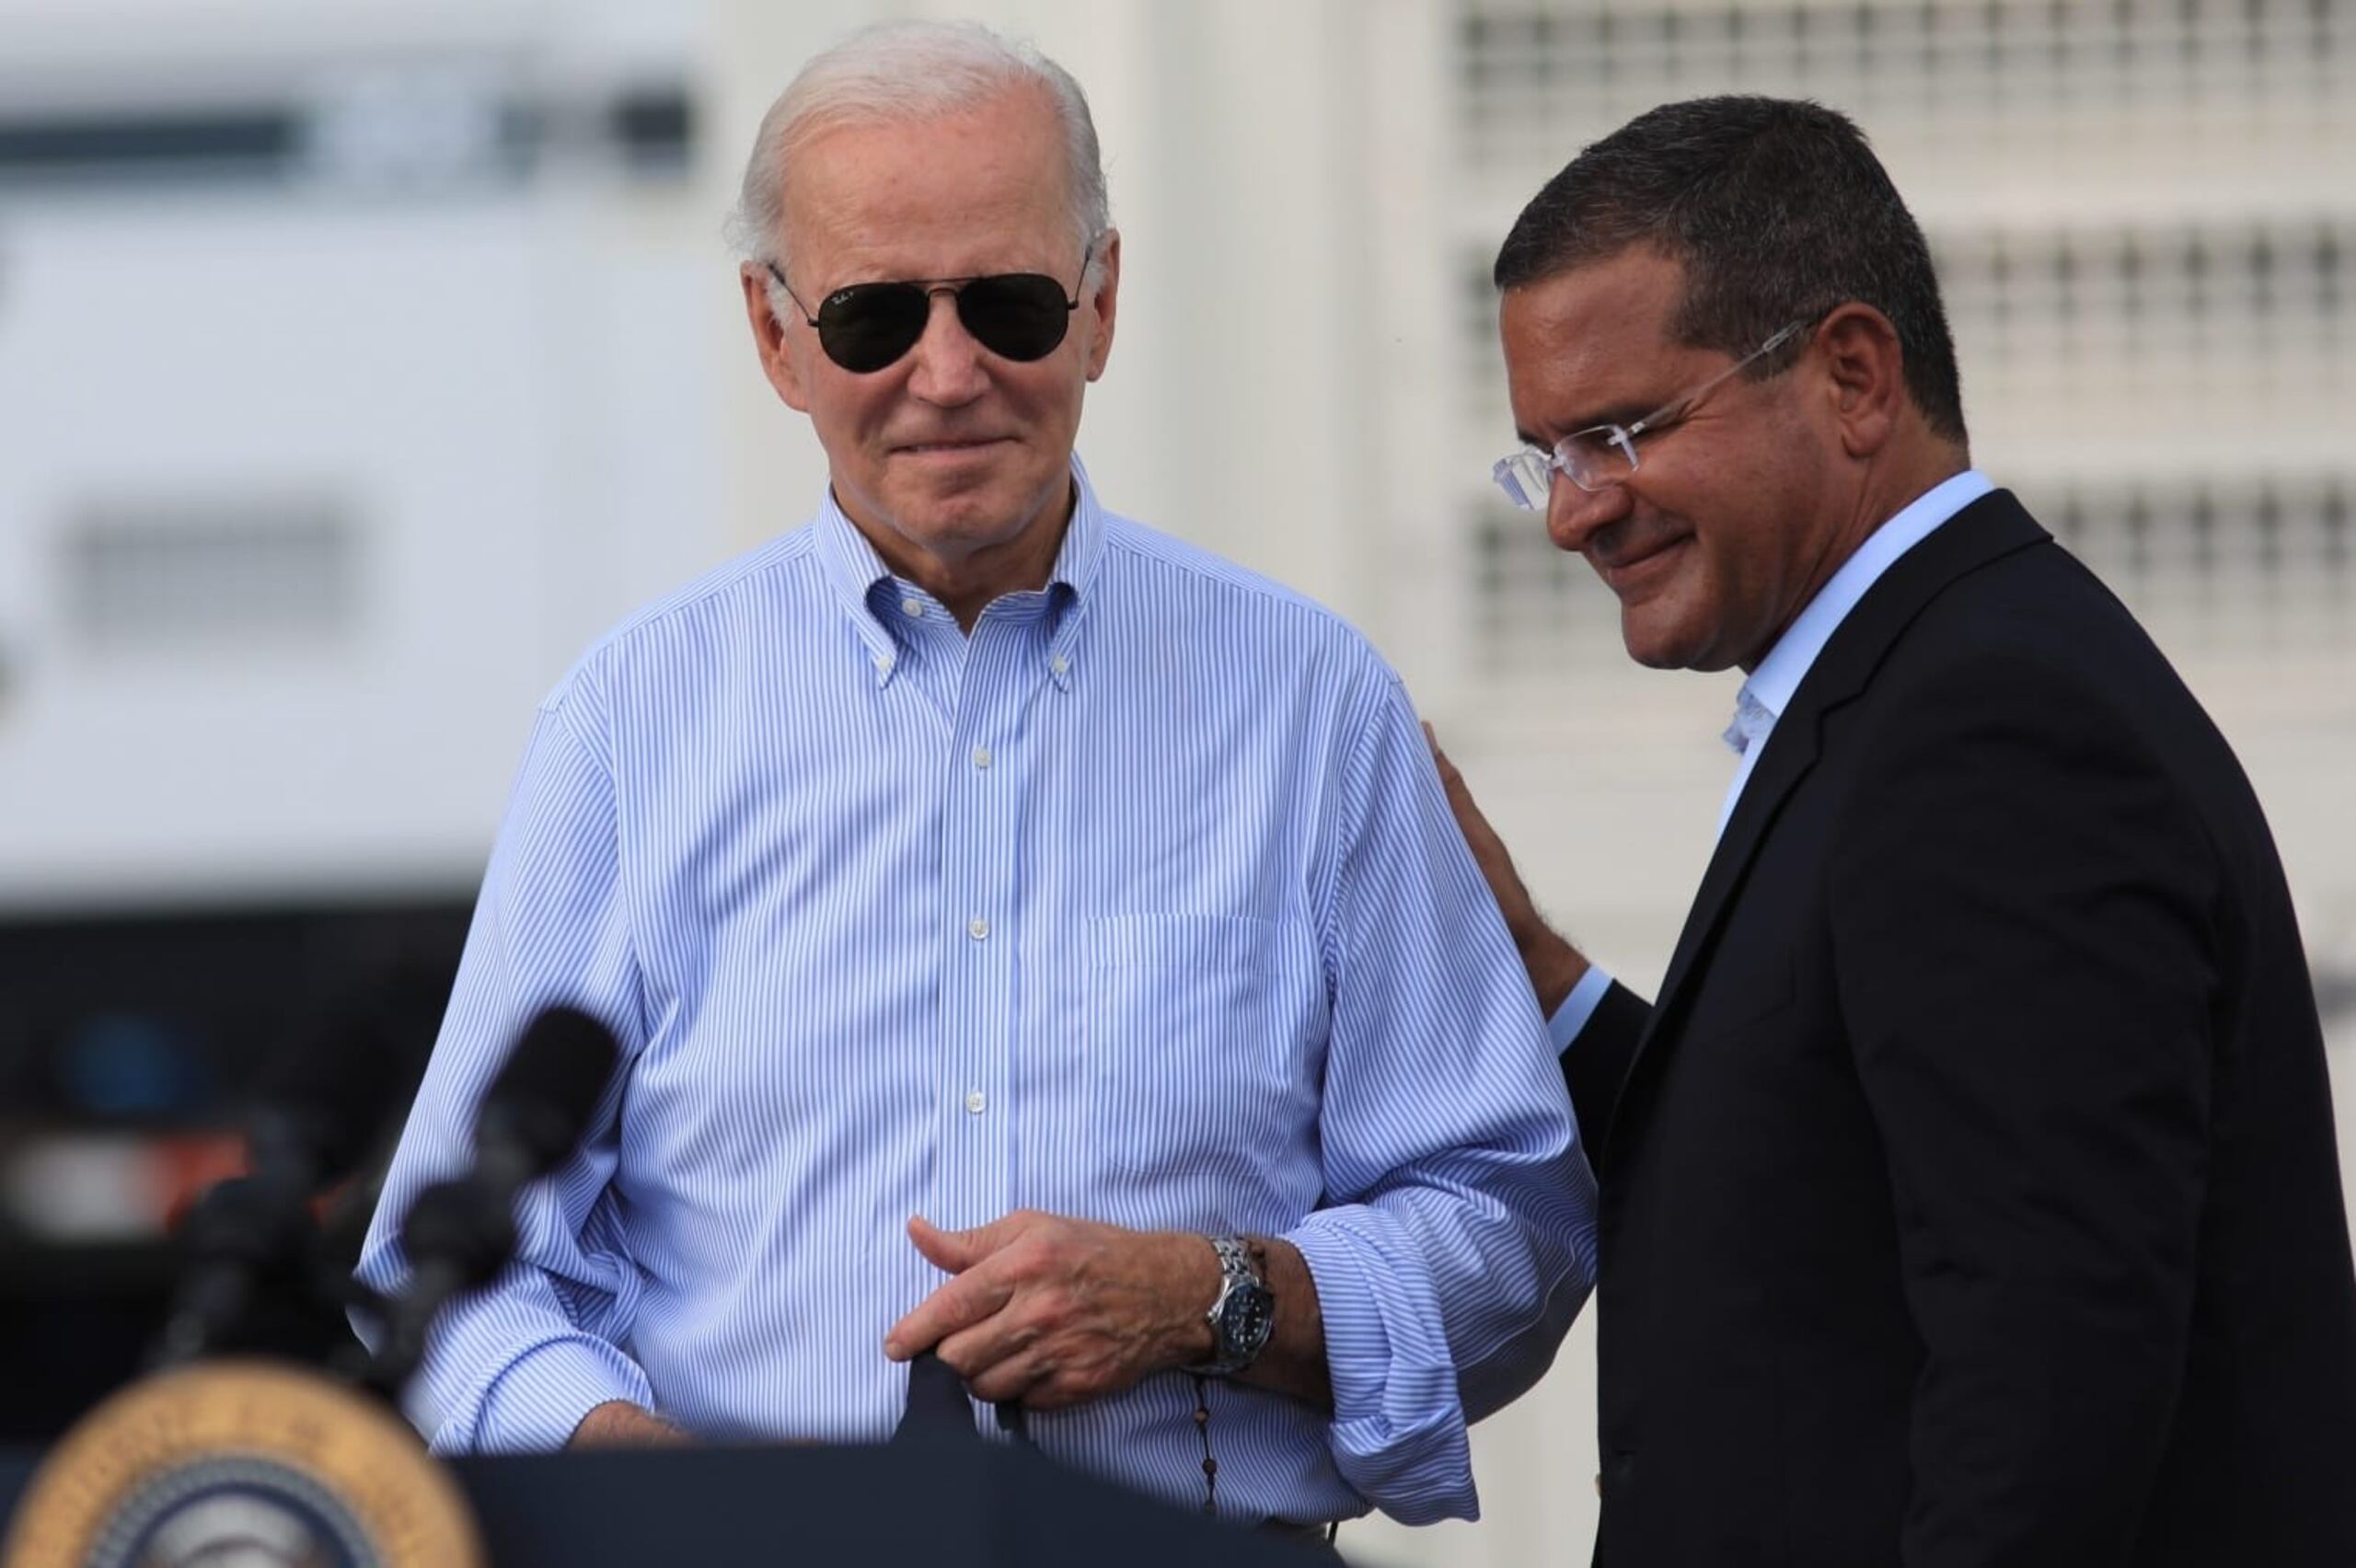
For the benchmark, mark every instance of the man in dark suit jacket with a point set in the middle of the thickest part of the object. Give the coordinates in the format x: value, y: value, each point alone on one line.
x: 1970, y: 1195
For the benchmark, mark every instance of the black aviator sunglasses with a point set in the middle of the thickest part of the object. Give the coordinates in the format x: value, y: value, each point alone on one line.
x: 1016, y: 315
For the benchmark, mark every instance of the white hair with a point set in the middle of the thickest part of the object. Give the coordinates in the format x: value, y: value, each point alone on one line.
x: 893, y: 72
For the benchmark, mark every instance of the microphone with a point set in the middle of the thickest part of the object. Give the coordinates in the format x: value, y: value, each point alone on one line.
x: 459, y: 1235
x: 939, y: 1404
x: 536, y: 1109
x: 253, y: 1278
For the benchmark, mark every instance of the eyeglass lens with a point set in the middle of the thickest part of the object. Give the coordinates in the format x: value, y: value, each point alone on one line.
x: 1591, y: 459
x: 1017, y: 315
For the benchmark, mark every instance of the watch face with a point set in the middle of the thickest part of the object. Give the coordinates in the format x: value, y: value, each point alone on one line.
x: 1251, y: 1313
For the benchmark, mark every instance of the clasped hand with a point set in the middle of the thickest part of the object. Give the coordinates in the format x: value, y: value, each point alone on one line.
x: 1052, y: 1312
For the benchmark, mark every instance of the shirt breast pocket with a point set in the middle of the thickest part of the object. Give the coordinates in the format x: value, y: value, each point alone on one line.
x: 1201, y: 1031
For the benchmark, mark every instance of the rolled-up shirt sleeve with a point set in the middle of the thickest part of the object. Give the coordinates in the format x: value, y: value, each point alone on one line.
x: 515, y: 1367
x: 1458, y: 1241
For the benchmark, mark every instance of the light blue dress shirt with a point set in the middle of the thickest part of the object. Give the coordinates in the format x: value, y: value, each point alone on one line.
x: 1143, y: 904
x: 1770, y: 689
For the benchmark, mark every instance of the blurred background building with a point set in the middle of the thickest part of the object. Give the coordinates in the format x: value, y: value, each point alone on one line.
x: 359, y: 362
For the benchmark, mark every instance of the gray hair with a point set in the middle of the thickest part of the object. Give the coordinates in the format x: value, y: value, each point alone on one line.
x: 902, y: 71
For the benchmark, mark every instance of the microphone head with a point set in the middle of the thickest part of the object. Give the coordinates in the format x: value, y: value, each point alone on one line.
x: 459, y: 1226
x: 537, y: 1108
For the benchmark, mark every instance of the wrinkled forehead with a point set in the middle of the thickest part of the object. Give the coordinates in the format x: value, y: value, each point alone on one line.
x: 1592, y: 343
x: 984, y: 179
x: 1623, y: 303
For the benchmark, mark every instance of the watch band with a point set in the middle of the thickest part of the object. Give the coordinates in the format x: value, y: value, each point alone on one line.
x: 1244, y: 1314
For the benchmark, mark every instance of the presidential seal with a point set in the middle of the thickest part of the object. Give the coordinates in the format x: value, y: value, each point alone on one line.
x: 241, y: 1462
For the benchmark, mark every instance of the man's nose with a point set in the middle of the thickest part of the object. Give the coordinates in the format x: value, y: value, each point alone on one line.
x: 1573, y: 514
x: 948, y: 360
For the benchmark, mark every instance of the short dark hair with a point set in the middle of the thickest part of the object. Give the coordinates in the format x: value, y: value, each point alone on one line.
x: 1777, y: 209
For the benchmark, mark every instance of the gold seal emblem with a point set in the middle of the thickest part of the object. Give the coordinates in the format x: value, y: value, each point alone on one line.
x: 241, y: 1461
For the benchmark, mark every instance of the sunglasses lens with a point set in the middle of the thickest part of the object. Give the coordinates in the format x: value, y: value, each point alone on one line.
x: 867, y: 325
x: 1017, y: 315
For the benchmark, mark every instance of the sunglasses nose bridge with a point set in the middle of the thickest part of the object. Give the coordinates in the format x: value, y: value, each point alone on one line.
x: 946, y: 357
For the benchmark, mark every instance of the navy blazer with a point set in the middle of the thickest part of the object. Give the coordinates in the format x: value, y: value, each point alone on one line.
x: 1969, y: 1196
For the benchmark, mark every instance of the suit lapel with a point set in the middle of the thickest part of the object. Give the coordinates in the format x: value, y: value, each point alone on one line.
x: 1990, y: 528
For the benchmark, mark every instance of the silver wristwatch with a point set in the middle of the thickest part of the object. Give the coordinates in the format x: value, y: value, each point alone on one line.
x: 1244, y: 1314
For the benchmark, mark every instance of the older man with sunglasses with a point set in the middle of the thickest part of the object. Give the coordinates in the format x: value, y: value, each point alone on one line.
x: 1032, y: 940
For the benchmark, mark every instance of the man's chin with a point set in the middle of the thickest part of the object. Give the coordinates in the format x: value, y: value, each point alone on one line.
x: 959, y: 527
x: 950, y: 511
x: 1658, y: 644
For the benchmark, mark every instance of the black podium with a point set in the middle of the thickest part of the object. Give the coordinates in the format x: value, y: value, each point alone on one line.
x: 939, y: 1503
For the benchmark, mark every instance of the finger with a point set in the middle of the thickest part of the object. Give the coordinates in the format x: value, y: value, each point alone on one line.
x: 975, y: 1353
x: 954, y: 1252
x: 1450, y: 780
x: 944, y: 1250
x: 1015, y: 1377
x: 963, y: 1302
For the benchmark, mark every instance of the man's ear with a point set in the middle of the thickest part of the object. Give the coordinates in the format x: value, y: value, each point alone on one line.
x: 1101, y: 303
x: 1867, y: 372
x: 771, y: 338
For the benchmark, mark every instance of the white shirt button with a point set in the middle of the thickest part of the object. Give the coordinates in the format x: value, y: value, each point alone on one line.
x: 1058, y: 664
x: 981, y: 757
x: 976, y: 1102
x: 979, y: 929
x: 882, y: 660
x: 912, y: 608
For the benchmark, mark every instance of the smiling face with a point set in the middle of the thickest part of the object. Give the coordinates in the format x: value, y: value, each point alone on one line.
x: 953, y: 460
x: 1735, y: 515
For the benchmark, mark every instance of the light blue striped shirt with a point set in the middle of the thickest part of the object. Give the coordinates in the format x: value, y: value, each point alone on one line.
x: 1142, y: 904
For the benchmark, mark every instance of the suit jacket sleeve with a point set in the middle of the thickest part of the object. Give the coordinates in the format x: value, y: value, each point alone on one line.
x: 2028, y: 947
x: 1596, y: 1062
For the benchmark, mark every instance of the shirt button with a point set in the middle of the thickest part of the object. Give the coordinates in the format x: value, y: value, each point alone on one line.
x: 977, y: 1102
x: 1058, y: 664
x: 912, y: 608
x: 882, y: 660
x: 979, y: 929
x: 981, y: 757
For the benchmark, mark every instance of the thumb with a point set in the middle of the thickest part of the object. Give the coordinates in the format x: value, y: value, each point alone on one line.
x: 954, y: 1252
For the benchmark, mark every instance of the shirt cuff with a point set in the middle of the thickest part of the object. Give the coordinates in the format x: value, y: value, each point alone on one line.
x: 1577, y: 1008
x: 534, y: 1405
x: 1398, y: 1433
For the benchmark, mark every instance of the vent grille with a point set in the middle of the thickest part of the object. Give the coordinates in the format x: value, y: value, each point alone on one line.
x: 1538, y: 79
x: 152, y: 578
x: 2201, y: 316
x: 2217, y: 563
x: 1542, y: 613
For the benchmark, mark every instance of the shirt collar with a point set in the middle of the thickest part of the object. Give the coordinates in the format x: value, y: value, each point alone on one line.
x: 866, y: 588
x: 1778, y: 676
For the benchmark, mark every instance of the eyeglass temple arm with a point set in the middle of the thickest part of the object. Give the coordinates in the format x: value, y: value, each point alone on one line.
x: 1087, y: 255
x: 1687, y: 401
x: 777, y: 272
